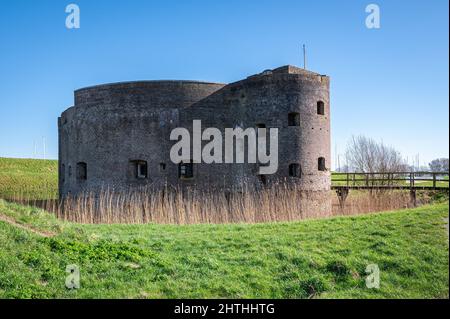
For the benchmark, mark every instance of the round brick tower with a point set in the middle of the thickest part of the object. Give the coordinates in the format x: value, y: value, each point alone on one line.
x: 117, y: 135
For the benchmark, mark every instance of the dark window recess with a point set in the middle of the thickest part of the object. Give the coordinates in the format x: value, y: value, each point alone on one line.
x: 263, y: 179
x: 81, y: 171
x: 141, y: 169
x: 162, y: 167
x: 321, y: 164
x: 320, y: 108
x: 294, y: 119
x: 186, y: 170
x: 70, y: 170
x: 294, y: 170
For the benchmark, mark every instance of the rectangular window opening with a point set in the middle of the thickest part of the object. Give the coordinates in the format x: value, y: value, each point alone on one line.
x: 294, y: 119
x: 141, y: 169
x: 294, y: 170
x: 186, y: 170
x: 320, y: 108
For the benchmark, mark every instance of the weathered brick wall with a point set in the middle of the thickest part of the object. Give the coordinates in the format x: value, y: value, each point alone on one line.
x: 114, y: 124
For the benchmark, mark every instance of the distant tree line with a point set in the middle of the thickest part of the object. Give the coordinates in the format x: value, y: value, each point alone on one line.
x: 439, y: 165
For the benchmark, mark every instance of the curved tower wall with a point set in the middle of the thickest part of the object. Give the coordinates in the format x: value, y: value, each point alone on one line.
x: 113, y: 125
x: 268, y: 99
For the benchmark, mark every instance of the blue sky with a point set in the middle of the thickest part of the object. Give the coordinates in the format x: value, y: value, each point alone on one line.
x: 390, y: 84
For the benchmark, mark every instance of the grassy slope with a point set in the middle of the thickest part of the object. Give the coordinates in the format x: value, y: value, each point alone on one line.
x: 315, y: 258
x: 323, y: 258
x: 37, y: 179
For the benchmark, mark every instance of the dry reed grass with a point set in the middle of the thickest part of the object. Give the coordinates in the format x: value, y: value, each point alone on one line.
x: 169, y: 206
x: 365, y: 201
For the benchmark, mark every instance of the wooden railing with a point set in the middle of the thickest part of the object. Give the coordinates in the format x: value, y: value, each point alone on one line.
x: 397, y: 180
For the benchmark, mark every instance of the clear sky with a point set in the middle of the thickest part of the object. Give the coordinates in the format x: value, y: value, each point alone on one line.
x: 390, y: 84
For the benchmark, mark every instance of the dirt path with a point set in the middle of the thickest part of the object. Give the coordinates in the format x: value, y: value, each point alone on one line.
x: 12, y: 222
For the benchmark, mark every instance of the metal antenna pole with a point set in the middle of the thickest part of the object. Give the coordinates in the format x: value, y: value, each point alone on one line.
x: 304, y: 56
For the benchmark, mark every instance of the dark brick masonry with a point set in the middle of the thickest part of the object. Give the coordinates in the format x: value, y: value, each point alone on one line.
x: 117, y: 135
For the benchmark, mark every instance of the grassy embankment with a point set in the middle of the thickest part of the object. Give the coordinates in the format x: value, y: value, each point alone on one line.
x: 28, y: 178
x: 316, y: 258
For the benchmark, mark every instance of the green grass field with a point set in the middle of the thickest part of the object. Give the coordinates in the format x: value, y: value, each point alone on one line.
x: 33, y: 179
x: 316, y: 258
x: 307, y: 259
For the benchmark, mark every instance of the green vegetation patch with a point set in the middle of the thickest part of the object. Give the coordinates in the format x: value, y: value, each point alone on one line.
x: 28, y: 178
x: 308, y: 259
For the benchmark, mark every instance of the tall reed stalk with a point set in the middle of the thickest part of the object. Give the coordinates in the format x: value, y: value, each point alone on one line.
x: 282, y: 202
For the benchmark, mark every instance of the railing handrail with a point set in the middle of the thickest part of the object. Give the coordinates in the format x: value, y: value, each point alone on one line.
x: 385, y: 173
x: 391, y: 179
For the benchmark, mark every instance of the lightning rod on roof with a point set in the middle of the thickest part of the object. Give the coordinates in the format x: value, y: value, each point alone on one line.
x: 304, y: 56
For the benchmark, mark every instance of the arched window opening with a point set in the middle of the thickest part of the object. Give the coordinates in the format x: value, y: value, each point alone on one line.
x: 263, y: 179
x: 81, y: 171
x: 321, y: 164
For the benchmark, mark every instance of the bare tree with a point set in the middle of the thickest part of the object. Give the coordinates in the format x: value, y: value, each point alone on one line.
x: 365, y: 155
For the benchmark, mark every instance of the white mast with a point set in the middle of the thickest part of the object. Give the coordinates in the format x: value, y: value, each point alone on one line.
x: 43, y: 142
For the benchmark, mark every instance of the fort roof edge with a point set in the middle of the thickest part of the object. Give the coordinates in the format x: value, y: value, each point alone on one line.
x: 285, y: 69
